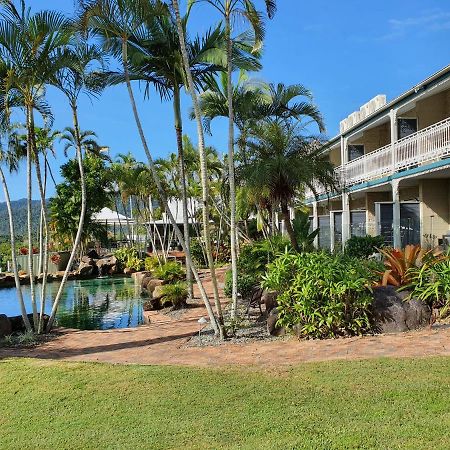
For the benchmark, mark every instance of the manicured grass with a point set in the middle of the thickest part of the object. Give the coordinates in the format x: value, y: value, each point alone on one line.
x: 362, y: 404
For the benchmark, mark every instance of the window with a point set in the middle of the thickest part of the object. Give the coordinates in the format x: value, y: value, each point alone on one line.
x: 358, y: 223
x: 405, y: 127
x: 355, y: 151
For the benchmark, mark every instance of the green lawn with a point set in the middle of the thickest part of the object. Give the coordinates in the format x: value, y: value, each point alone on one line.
x: 370, y: 404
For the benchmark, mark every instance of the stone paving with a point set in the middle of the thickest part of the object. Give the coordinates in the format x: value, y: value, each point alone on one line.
x: 163, y: 340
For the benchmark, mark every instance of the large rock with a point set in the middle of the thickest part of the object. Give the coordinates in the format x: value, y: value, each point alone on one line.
x: 92, y: 254
x: 392, y: 313
x: 153, y: 304
x: 7, y: 280
x: 158, y: 293
x: 153, y: 283
x: 269, y: 299
x: 5, y: 326
x: 272, y: 326
x: 87, y: 270
x: 106, y: 266
x: 17, y: 324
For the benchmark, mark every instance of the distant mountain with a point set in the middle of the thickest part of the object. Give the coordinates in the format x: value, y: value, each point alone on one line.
x: 19, y: 208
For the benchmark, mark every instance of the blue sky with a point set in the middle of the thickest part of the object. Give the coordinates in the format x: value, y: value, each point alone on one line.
x: 344, y: 52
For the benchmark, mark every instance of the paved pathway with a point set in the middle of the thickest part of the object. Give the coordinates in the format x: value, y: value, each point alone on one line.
x: 163, y: 342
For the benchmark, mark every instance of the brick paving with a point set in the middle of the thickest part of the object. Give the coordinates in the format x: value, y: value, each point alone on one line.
x: 163, y: 340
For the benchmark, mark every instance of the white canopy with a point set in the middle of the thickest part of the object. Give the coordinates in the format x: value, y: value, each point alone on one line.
x: 110, y: 217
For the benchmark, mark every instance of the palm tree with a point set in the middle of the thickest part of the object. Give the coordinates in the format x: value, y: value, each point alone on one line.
x: 88, y: 141
x: 114, y: 22
x: 284, y: 163
x: 76, y: 76
x: 231, y: 11
x: 156, y: 59
x: 29, y: 42
x: 203, y: 162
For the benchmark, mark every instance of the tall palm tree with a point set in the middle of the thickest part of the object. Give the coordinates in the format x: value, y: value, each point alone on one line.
x: 156, y: 59
x: 114, y: 22
x: 232, y: 11
x: 88, y: 139
x: 29, y: 42
x: 284, y: 163
x: 78, y: 75
x: 203, y: 162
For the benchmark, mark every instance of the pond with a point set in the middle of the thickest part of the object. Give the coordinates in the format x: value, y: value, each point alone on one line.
x: 98, y: 304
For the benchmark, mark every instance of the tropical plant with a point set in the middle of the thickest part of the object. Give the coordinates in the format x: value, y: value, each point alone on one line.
x: 169, y: 272
x: 245, y: 11
x: 128, y: 258
x: 302, y: 230
x: 283, y: 163
x: 114, y: 22
x: 87, y: 138
x: 175, y: 294
x: 400, y: 263
x: 151, y: 263
x: 29, y: 45
x: 246, y: 284
x: 363, y: 246
x: 431, y: 283
x: 322, y: 295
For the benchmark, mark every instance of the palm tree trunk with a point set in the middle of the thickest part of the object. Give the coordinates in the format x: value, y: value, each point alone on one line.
x: 203, y: 166
x: 288, y: 225
x: 30, y: 130
x: 162, y: 195
x: 12, y: 237
x: 79, y: 234
x: 182, y: 175
x: 233, y: 233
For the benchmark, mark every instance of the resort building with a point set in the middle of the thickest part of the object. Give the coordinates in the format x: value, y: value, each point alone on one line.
x: 392, y: 161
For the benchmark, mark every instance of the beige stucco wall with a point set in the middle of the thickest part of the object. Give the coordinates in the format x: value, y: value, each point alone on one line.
x: 374, y: 138
x: 431, y: 110
x: 335, y: 156
x: 434, y: 210
x: 357, y: 203
x: 410, y: 193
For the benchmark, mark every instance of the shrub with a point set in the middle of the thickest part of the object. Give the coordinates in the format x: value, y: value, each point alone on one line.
x: 175, y: 293
x: 151, y: 263
x: 322, y: 295
x: 127, y: 257
x: 245, y: 284
x: 431, y: 284
x: 400, y: 264
x: 170, y: 272
x: 363, y: 247
x: 197, y: 252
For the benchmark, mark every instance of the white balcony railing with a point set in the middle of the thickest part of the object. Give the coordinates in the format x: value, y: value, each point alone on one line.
x: 425, y: 146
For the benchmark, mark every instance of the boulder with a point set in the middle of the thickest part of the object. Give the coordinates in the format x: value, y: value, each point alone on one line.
x: 87, y: 260
x: 272, y: 327
x: 92, y: 254
x: 7, y: 280
x: 5, y: 326
x: 145, y: 281
x: 157, y: 293
x: 104, y: 265
x: 17, y: 324
x: 87, y: 270
x: 129, y: 271
x: 153, y: 283
x: 269, y: 299
x: 153, y: 304
x: 392, y: 313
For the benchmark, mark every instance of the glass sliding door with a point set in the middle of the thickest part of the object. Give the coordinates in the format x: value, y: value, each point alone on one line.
x: 337, y: 223
x: 410, y: 223
x: 358, y: 223
x: 324, y: 232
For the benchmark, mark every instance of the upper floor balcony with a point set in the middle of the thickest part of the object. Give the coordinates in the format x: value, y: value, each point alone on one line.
x: 424, y: 147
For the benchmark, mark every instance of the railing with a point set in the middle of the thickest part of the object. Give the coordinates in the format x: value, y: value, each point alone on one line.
x: 425, y: 146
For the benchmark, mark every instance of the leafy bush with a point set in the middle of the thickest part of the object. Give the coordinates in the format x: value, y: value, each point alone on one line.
x: 151, y: 263
x: 170, y: 272
x: 363, y: 247
x: 322, y: 295
x: 197, y: 252
x: 305, y: 237
x: 245, y: 284
x: 431, y: 284
x: 127, y: 257
x: 175, y: 293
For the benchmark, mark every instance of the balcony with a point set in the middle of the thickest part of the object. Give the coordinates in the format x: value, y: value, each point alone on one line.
x: 418, y: 149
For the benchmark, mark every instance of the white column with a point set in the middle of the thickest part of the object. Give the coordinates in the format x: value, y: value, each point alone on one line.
x: 315, y: 223
x: 345, y: 217
x: 332, y: 241
x: 396, y: 213
x: 394, y: 135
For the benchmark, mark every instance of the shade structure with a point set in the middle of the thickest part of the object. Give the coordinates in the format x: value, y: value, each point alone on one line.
x: 109, y: 217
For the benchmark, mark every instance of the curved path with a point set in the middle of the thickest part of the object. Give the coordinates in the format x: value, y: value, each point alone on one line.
x: 163, y: 341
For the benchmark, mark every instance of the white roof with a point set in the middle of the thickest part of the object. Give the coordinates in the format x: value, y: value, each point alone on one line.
x: 108, y: 216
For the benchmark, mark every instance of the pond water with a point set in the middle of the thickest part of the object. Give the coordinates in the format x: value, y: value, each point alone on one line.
x: 98, y: 304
